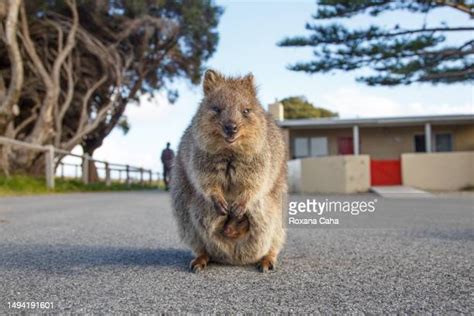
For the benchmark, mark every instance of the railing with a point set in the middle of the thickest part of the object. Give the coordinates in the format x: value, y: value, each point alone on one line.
x: 50, y: 163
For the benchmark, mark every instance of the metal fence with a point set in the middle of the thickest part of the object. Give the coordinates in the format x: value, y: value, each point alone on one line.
x: 54, y: 156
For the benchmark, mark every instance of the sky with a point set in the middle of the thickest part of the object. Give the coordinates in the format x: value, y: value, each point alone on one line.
x: 249, y: 31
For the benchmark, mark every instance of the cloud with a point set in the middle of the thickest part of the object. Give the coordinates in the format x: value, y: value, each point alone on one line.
x: 354, y: 102
x: 149, y: 110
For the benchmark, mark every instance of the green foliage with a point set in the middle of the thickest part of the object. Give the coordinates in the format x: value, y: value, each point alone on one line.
x: 298, y: 107
x: 27, y: 185
x: 396, y: 55
x: 163, y: 58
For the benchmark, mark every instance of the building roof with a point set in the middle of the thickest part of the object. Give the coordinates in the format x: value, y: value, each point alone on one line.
x: 378, y: 122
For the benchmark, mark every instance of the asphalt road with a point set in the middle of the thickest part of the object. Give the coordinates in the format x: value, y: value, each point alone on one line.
x: 119, y: 252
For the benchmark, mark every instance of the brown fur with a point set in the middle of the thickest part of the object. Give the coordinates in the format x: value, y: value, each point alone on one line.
x: 222, y: 176
x: 236, y: 227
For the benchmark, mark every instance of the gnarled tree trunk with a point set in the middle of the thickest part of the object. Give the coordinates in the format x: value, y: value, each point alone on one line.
x: 69, y: 68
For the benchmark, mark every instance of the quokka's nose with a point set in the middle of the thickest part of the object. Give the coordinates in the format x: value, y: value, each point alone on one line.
x: 230, y: 129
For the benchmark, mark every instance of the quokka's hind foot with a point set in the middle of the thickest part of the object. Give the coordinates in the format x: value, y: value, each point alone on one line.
x: 267, y: 263
x: 199, y: 263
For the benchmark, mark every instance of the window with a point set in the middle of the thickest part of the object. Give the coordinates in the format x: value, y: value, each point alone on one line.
x: 301, y: 147
x: 310, y: 147
x: 420, y: 144
x: 444, y: 142
x: 319, y: 146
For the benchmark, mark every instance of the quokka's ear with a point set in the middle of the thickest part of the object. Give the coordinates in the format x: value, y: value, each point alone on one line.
x: 249, y: 82
x: 211, y: 79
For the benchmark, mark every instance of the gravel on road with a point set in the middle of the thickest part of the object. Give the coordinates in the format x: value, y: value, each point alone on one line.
x: 119, y: 252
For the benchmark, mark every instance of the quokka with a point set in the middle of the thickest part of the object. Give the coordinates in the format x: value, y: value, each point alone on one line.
x: 229, y: 178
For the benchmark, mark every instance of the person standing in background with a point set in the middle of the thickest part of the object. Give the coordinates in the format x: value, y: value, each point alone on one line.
x: 167, y: 156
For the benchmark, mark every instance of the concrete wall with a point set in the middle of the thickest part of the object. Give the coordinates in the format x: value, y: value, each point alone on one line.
x: 438, y: 171
x: 335, y: 174
x: 277, y: 111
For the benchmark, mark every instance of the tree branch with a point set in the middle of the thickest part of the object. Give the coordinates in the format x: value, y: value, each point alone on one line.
x: 27, y: 121
x: 67, y: 102
x: 70, y: 42
x: 30, y: 48
x: 456, y: 5
x: 435, y: 29
x: 16, y: 81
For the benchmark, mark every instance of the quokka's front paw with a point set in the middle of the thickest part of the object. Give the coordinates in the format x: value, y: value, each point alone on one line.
x: 266, y: 264
x: 220, y: 205
x: 199, y: 263
x: 238, y: 209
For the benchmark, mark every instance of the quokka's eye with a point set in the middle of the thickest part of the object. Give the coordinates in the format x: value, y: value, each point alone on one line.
x: 246, y: 111
x: 216, y: 109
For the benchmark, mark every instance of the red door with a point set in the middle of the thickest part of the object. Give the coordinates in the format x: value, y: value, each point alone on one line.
x: 385, y: 172
x: 345, y: 146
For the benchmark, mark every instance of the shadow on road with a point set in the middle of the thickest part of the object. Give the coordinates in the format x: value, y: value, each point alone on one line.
x: 65, y: 257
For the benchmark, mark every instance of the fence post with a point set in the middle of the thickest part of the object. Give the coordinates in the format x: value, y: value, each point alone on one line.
x: 108, y: 181
x: 127, y: 181
x: 49, y: 161
x: 150, y: 176
x: 141, y: 176
x: 85, y: 169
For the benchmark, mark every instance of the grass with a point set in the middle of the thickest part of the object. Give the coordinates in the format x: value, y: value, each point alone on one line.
x: 27, y: 185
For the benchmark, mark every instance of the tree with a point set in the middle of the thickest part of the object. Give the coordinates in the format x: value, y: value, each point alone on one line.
x: 69, y: 68
x: 396, y: 55
x: 298, y: 108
